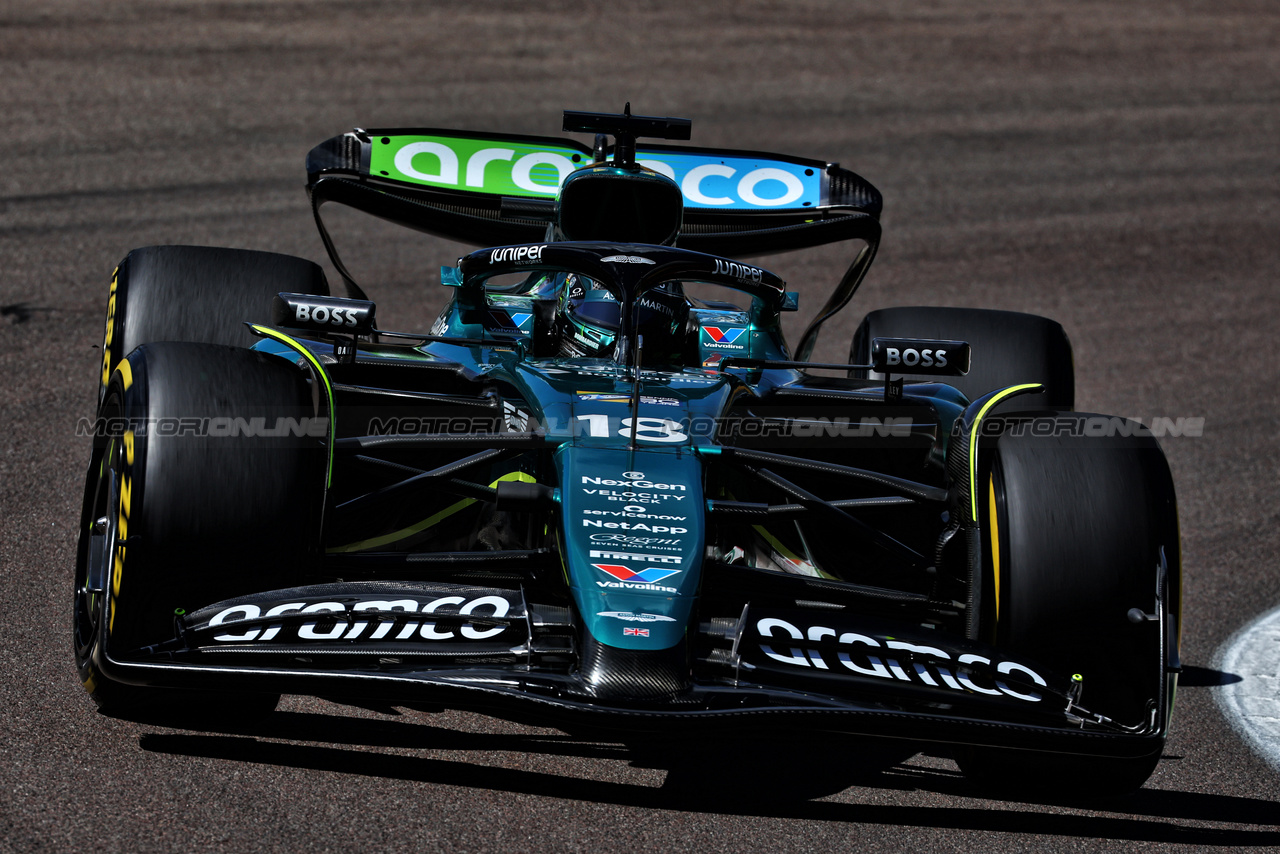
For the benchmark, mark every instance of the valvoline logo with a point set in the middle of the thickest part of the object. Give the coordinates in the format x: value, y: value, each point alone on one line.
x: 650, y: 575
x: 508, y: 318
x: 725, y: 336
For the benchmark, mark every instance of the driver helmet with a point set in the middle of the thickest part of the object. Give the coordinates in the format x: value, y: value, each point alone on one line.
x: 591, y: 320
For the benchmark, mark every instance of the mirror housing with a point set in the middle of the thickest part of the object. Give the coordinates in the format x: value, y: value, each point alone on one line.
x: 332, y: 315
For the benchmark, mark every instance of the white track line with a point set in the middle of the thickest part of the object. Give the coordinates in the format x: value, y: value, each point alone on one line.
x: 1252, y: 705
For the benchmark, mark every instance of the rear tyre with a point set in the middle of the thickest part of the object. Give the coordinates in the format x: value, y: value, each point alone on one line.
x: 1081, y: 529
x: 1008, y: 348
x: 198, y: 507
x: 200, y: 294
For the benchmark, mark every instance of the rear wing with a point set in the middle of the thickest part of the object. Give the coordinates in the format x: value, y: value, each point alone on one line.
x: 496, y: 189
x: 499, y: 189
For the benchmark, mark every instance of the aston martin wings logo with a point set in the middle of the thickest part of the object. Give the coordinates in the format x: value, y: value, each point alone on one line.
x: 627, y: 259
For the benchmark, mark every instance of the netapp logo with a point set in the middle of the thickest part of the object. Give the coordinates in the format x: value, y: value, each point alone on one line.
x: 638, y: 526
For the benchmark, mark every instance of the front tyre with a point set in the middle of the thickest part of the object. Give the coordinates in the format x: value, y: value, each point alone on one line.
x: 206, y: 483
x: 1081, y: 530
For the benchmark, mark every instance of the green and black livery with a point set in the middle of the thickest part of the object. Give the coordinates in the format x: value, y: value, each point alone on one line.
x: 686, y: 526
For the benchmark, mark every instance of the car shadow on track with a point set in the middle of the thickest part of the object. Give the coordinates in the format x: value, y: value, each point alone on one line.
x: 1205, y: 677
x: 701, y: 781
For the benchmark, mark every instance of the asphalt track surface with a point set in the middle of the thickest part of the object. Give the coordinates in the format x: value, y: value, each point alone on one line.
x: 1112, y: 165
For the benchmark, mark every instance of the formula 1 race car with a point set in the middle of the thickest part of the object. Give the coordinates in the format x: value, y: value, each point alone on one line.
x: 601, y: 491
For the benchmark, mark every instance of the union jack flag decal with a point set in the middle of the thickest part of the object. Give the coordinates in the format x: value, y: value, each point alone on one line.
x: 644, y: 633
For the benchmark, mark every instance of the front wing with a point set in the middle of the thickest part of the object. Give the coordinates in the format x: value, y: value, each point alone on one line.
x: 492, y: 650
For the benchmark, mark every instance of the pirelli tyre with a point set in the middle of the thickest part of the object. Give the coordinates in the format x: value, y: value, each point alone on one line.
x: 206, y: 482
x: 1083, y: 575
x: 1008, y: 348
x: 200, y: 294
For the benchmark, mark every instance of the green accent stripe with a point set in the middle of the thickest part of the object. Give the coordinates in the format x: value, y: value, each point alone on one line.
x: 431, y: 520
x: 320, y: 372
x: 374, y: 542
x: 973, y: 439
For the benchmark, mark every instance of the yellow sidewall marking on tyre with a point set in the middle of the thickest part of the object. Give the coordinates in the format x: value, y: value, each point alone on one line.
x: 122, y: 526
x: 324, y: 378
x: 126, y: 373
x: 995, y: 540
x: 109, y: 335
x: 973, y: 440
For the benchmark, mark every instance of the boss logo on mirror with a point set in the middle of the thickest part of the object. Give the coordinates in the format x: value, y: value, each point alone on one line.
x: 324, y: 314
x: 920, y: 356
